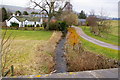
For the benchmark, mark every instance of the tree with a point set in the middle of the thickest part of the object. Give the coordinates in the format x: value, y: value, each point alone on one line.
x: 18, y: 12
x: 50, y: 7
x: 4, y: 14
x: 5, y: 54
x: 25, y: 13
x: 34, y: 13
x: 98, y: 25
x: 70, y: 18
x: 82, y: 15
x: 9, y: 13
x: 103, y: 24
x: 92, y: 22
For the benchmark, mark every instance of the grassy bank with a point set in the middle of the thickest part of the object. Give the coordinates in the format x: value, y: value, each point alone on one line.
x: 111, y: 37
x: 110, y: 53
x: 32, y: 52
x: 88, y: 56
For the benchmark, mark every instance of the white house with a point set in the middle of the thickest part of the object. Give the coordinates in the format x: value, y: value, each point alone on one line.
x: 13, y: 19
x: 24, y: 22
x: 27, y: 22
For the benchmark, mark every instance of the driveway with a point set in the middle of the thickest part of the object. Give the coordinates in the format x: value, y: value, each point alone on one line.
x: 95, y: 41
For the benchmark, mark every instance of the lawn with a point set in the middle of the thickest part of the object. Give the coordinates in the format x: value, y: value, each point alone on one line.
x: 32, y: 52
x: 111, y: 38
x: 110, y: 53
x: 29, y: 35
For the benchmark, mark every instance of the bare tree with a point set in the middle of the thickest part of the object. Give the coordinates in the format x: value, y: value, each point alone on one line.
x: 70, y: 18
x: 6, y: 42
x: 92, y: 22
x: 103, y: 24
x: 99, y: 25
x: 50, y: 7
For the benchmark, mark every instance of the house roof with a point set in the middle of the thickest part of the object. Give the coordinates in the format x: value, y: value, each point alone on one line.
x: 14, y: 17
x: 28, y: 18
x: 21, y: 19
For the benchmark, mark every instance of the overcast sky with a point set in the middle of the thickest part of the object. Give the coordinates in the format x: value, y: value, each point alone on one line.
x: 110, y: 7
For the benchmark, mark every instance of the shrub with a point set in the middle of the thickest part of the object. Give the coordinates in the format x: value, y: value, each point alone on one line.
x: 38, y: 28
x: 30, y: 25
x: 25, y: 25
x: 53, y: 26
x: 44, y: 24
x: 12, y: 28
x: 62, y: 25
x: 22, y: 28
x: 37, y: 25
x: 58, y: 25
x: 14, y: 24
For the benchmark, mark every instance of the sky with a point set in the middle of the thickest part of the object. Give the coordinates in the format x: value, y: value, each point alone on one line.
x: 110, y: 7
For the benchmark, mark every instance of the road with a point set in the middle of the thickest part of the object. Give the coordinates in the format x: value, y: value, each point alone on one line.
x: 95, y: 41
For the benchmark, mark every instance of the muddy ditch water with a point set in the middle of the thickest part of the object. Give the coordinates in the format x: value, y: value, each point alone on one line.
x: 61, y: 64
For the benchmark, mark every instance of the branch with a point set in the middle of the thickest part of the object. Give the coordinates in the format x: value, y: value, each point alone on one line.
x: 36, y: 4
x: 64, y: 5
x: 47, y: 3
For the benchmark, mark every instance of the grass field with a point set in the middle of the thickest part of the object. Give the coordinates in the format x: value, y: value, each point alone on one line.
x: 32, y: 52
x: 29, y: 35
x: 111, y: 38
x: 110, y: 53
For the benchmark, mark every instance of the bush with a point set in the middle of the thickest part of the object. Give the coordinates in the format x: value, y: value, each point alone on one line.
x: 44, y: 24
x: 62, y: 25
x: 14, y: 24
x: 59, y: 25
x: 26, y: 28
x: 37, y: 25
x: 30, y: 25
x: 54, y: 26
x: 12, y: 28
x: 22, y: 28
x: 38, y: 28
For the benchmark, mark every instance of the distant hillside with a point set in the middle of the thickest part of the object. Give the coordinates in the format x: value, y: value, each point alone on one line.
x: 16, y: 8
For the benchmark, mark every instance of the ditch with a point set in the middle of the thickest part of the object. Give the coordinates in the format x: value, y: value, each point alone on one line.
x: 61, y: 64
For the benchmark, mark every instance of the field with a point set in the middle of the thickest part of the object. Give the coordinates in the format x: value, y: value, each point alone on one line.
x: 32, y: 52
x: 29, y: 35
x: 111, y: 38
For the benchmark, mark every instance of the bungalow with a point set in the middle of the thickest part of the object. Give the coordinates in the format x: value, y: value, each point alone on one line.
x: 23, y: 21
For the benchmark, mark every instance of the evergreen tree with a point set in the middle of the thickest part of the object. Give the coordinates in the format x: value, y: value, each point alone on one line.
x: 82, y: 15
x: 18, y: 12
x: 34, y: 13
x: 25, y: 13
x: 4, y: 14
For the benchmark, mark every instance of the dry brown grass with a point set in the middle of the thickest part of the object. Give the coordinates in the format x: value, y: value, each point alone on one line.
x: 88, y: 61
x: 31, y: 57
x: 85, y: 60
x: 79, y: 59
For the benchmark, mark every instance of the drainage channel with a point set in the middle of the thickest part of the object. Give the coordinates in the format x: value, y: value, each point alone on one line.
x: 61, y: 64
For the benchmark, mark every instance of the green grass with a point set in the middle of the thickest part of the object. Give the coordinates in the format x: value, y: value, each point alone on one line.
x: 29, y: 35
x: 111, y: 38
x: 110, y: 53
x: 114, y: 27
